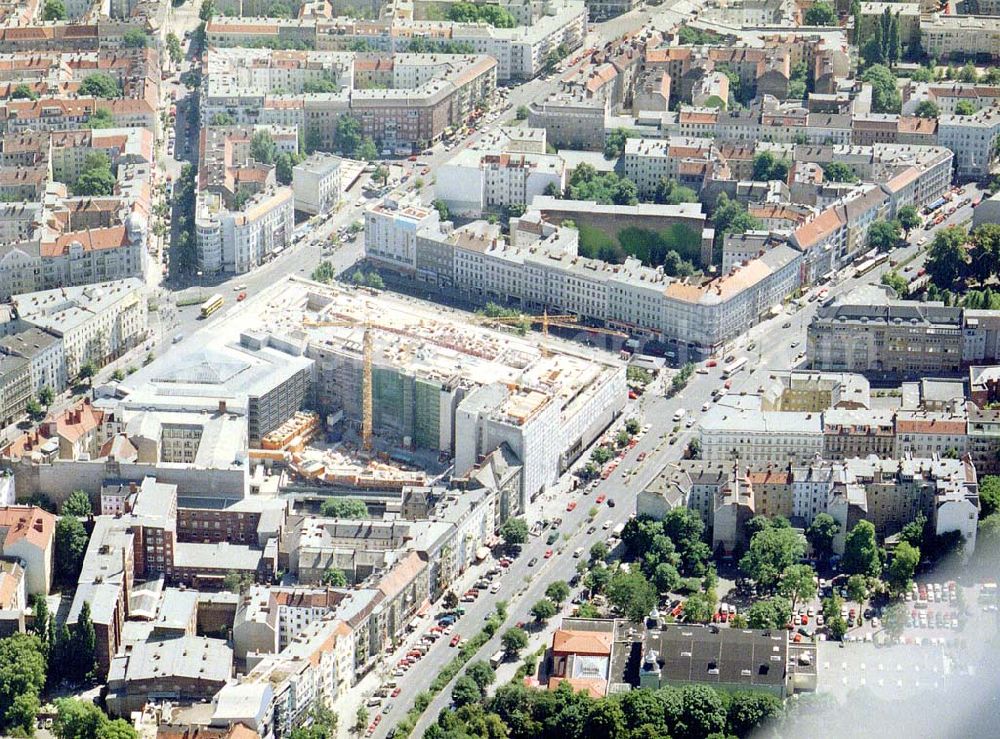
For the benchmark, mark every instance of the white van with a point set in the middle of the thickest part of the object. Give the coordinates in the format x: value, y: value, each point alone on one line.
x: 578, y: 552
x: 679, y: 414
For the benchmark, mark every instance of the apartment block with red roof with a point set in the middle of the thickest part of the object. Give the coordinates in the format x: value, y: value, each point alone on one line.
x: 27, y: 533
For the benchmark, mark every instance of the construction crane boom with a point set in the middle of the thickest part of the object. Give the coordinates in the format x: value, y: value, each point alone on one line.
x: 366, y: 391
x: 367, y: 430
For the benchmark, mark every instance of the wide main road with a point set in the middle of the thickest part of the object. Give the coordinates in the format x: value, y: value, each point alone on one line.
x: 778, y: 344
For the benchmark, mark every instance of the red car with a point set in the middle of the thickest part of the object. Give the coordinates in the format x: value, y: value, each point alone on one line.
x: 642, y: 456
x: 241, y: 297
x: 455, y: 640
x: 396, y: 692
x: 548, y: 553
x: 571, y: 505
x: 711, y: 363
x: 600, y: 498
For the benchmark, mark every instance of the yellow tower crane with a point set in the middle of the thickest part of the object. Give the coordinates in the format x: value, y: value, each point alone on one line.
x: 367, y: 352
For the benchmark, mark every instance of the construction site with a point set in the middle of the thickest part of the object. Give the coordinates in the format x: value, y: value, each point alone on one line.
x: 396, y: 378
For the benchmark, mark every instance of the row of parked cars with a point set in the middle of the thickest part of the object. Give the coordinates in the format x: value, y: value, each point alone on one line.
x: 933, y: 592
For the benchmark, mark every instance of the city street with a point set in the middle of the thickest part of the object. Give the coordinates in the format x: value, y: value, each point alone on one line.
x: 522, y: 586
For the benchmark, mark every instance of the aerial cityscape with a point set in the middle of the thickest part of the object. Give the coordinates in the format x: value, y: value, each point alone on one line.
x: 563, y: 369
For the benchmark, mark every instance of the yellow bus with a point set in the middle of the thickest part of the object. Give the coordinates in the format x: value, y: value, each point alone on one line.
x: 211, y: 305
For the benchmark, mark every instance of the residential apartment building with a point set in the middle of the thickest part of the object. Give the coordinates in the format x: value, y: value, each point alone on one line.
x: 316, y: 183
x: 476, y: 181
x: 540, y: 270
x: 27, y: 534
x: 408, y: 101
x: 869, y: 332
x: 974, y: 139
x: 96, y: 323
x: 945, y: 36
x: 236, y: 241
x: 45, y: 354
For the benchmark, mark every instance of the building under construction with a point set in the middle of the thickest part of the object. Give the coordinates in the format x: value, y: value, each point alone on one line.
x: 441, y: 381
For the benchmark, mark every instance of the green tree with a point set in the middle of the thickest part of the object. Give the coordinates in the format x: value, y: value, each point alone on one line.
x: 54, y: 10
x: 22, y: 673
x: 908, y: 218
x: 513, y: 641
x: 839, y: 172
x: 894, y: 619
x: 698, y: 608
x: 100, y: 118
x: 632, y: 593
x: 836, y: 627
x: 698, y: 711
x: 77, y: 504
x: 614, y: 145
x: 905, y: 559
x: 263, y: 148
x: 77, y: 719
x: 361, y: 718
x: 206, y: 11
x: 985, y: 254
x: 820, y: 14
x: 96, y: 178
x: 442, y: 208
x: 135, y: 38
x: 730, y: 216
x: 374, y: 281
x: 174, y: 48
x: 325, y: 272
x: 465, y: 691
x: 750, y: 710
x: 222, y: 119
x: 100, y: 85
x: 236, y: 582
x: 989, y: 495
x: 894, y: 48
x: 20, y: 716
x: 70, y: 546
x: 23, y: 92
x: 928, y: 109
x: 861, y: 552
x: 821, y: 533
x: 347, y: 134
x: 798, y: 582
x: 34, y: 410
x: 885, y: 95
x: 522, y: 112
x: 46, y: 396
x: 119, y: 728
x: 334, y: 578
x: 597, y: 579
x: 771, y: 552
x: 857, y: 588
x: 543, y: 610
x: 947, y: 257
x: 767, y: 167
x: 482, y: 674
x: 344, y: 508
x: 598, y: 551
x: 884, y: 235
x: 366, y: 150
x: 557, y: 591
x: 965, y: 107
x: 514, y: 531
x: 772, y: 613
x: 83, y: 644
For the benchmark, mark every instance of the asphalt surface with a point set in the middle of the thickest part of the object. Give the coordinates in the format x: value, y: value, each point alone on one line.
x: 522, y: 586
